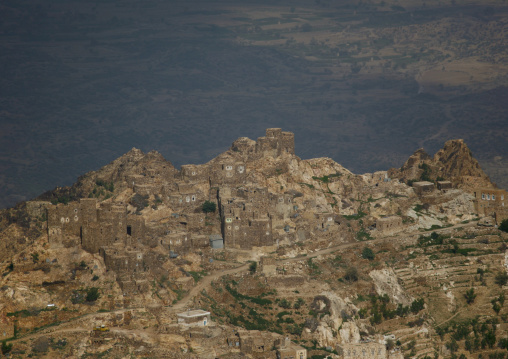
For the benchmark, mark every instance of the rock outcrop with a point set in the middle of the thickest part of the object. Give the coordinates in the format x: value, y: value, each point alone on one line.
x: 454, y: 162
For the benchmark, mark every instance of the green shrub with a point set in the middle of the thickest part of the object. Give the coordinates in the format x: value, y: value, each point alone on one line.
x: 470, y: 296
x: 367, y: 253
x: 92, y: 294
x: 504, y: 226
x: 253, y: 267
x: 501, y: 278
x: 209, y: 207
x: 351, y: 274
x: 6, y: 348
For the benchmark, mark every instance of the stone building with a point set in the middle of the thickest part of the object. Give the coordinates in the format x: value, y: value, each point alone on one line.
x: 196, y: 317
x: 423, y: 187
x: 246, y: 220
x: 444, y: 185
x: 491, y: 202
x: 389, y: 224
x: 93, y: 226
x: 275, y: 143
x: 288, y: 350
x: 366, y: 350
x: 37, y: 208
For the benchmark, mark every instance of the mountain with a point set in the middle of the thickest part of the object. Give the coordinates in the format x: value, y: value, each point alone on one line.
x: 258, y: 247
x: 454, y: 162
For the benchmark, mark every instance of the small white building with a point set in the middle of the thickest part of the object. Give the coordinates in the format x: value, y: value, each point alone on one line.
x: 198, y: 318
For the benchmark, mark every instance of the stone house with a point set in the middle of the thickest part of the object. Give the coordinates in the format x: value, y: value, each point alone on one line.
x: 275, y: 143
x: 491, y: 202
x: 444, y: 185
x: 196, y: 317
x: 288, y: 350
x: 389, y: 224
x: 367, y: 350
x: 423, y: 187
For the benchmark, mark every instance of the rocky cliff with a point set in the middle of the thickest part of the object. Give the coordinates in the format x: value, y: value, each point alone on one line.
x: 454, y: 162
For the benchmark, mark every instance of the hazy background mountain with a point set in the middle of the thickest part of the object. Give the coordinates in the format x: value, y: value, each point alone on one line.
x: 365, y: 83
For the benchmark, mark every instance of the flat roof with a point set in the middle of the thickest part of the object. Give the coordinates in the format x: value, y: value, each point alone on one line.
x: 193, y: 313
x: 423, y: 183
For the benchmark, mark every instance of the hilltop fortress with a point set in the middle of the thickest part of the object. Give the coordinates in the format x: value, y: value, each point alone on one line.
x: 265, y: 196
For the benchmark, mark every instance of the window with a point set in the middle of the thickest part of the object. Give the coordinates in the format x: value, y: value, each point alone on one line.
x: 229, y: 220
x: 493, y: 197
x: 193, y: 198
x: 187, y: 199
x: 229, y: 168
x: 502, y: 197
x: 483, y: 195
x: 240, y: 169
x: 193, y: 173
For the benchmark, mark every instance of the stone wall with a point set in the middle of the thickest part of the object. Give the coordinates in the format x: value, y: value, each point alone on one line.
x: 370, y: 350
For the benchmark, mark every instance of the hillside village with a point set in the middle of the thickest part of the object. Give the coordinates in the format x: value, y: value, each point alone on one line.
x: 259, y: 254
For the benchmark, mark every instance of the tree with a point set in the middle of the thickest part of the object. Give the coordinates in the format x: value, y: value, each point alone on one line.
x: 501, y: 278
x: 504, y: 225
x: 6, y: 348
x: 367, y: 253
x: 417, y: 305
x: 92, y: 294
x: 253, y: 267
x: 351, y: 274
x: 208, y: 207
x: 452, y: 346
x: 470, y: 296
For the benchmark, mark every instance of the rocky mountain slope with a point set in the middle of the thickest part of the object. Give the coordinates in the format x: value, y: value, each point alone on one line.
x: 454, y: 162
x: 271, y: 245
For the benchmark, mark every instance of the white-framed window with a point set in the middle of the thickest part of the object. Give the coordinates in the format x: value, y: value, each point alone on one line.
x: 241, y: 169
x: 493, y: 197
x: 193, y: 198
x: 187, y: 199
x: 483, y: 195
x: 330, y: 219
x: 229, y: 168
x: 229, y: 220
x: 193, y: 173
x: 67, y: 220
x: 502, y: 197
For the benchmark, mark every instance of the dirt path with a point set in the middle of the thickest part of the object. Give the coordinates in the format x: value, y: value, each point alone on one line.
x: 207, y: 281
